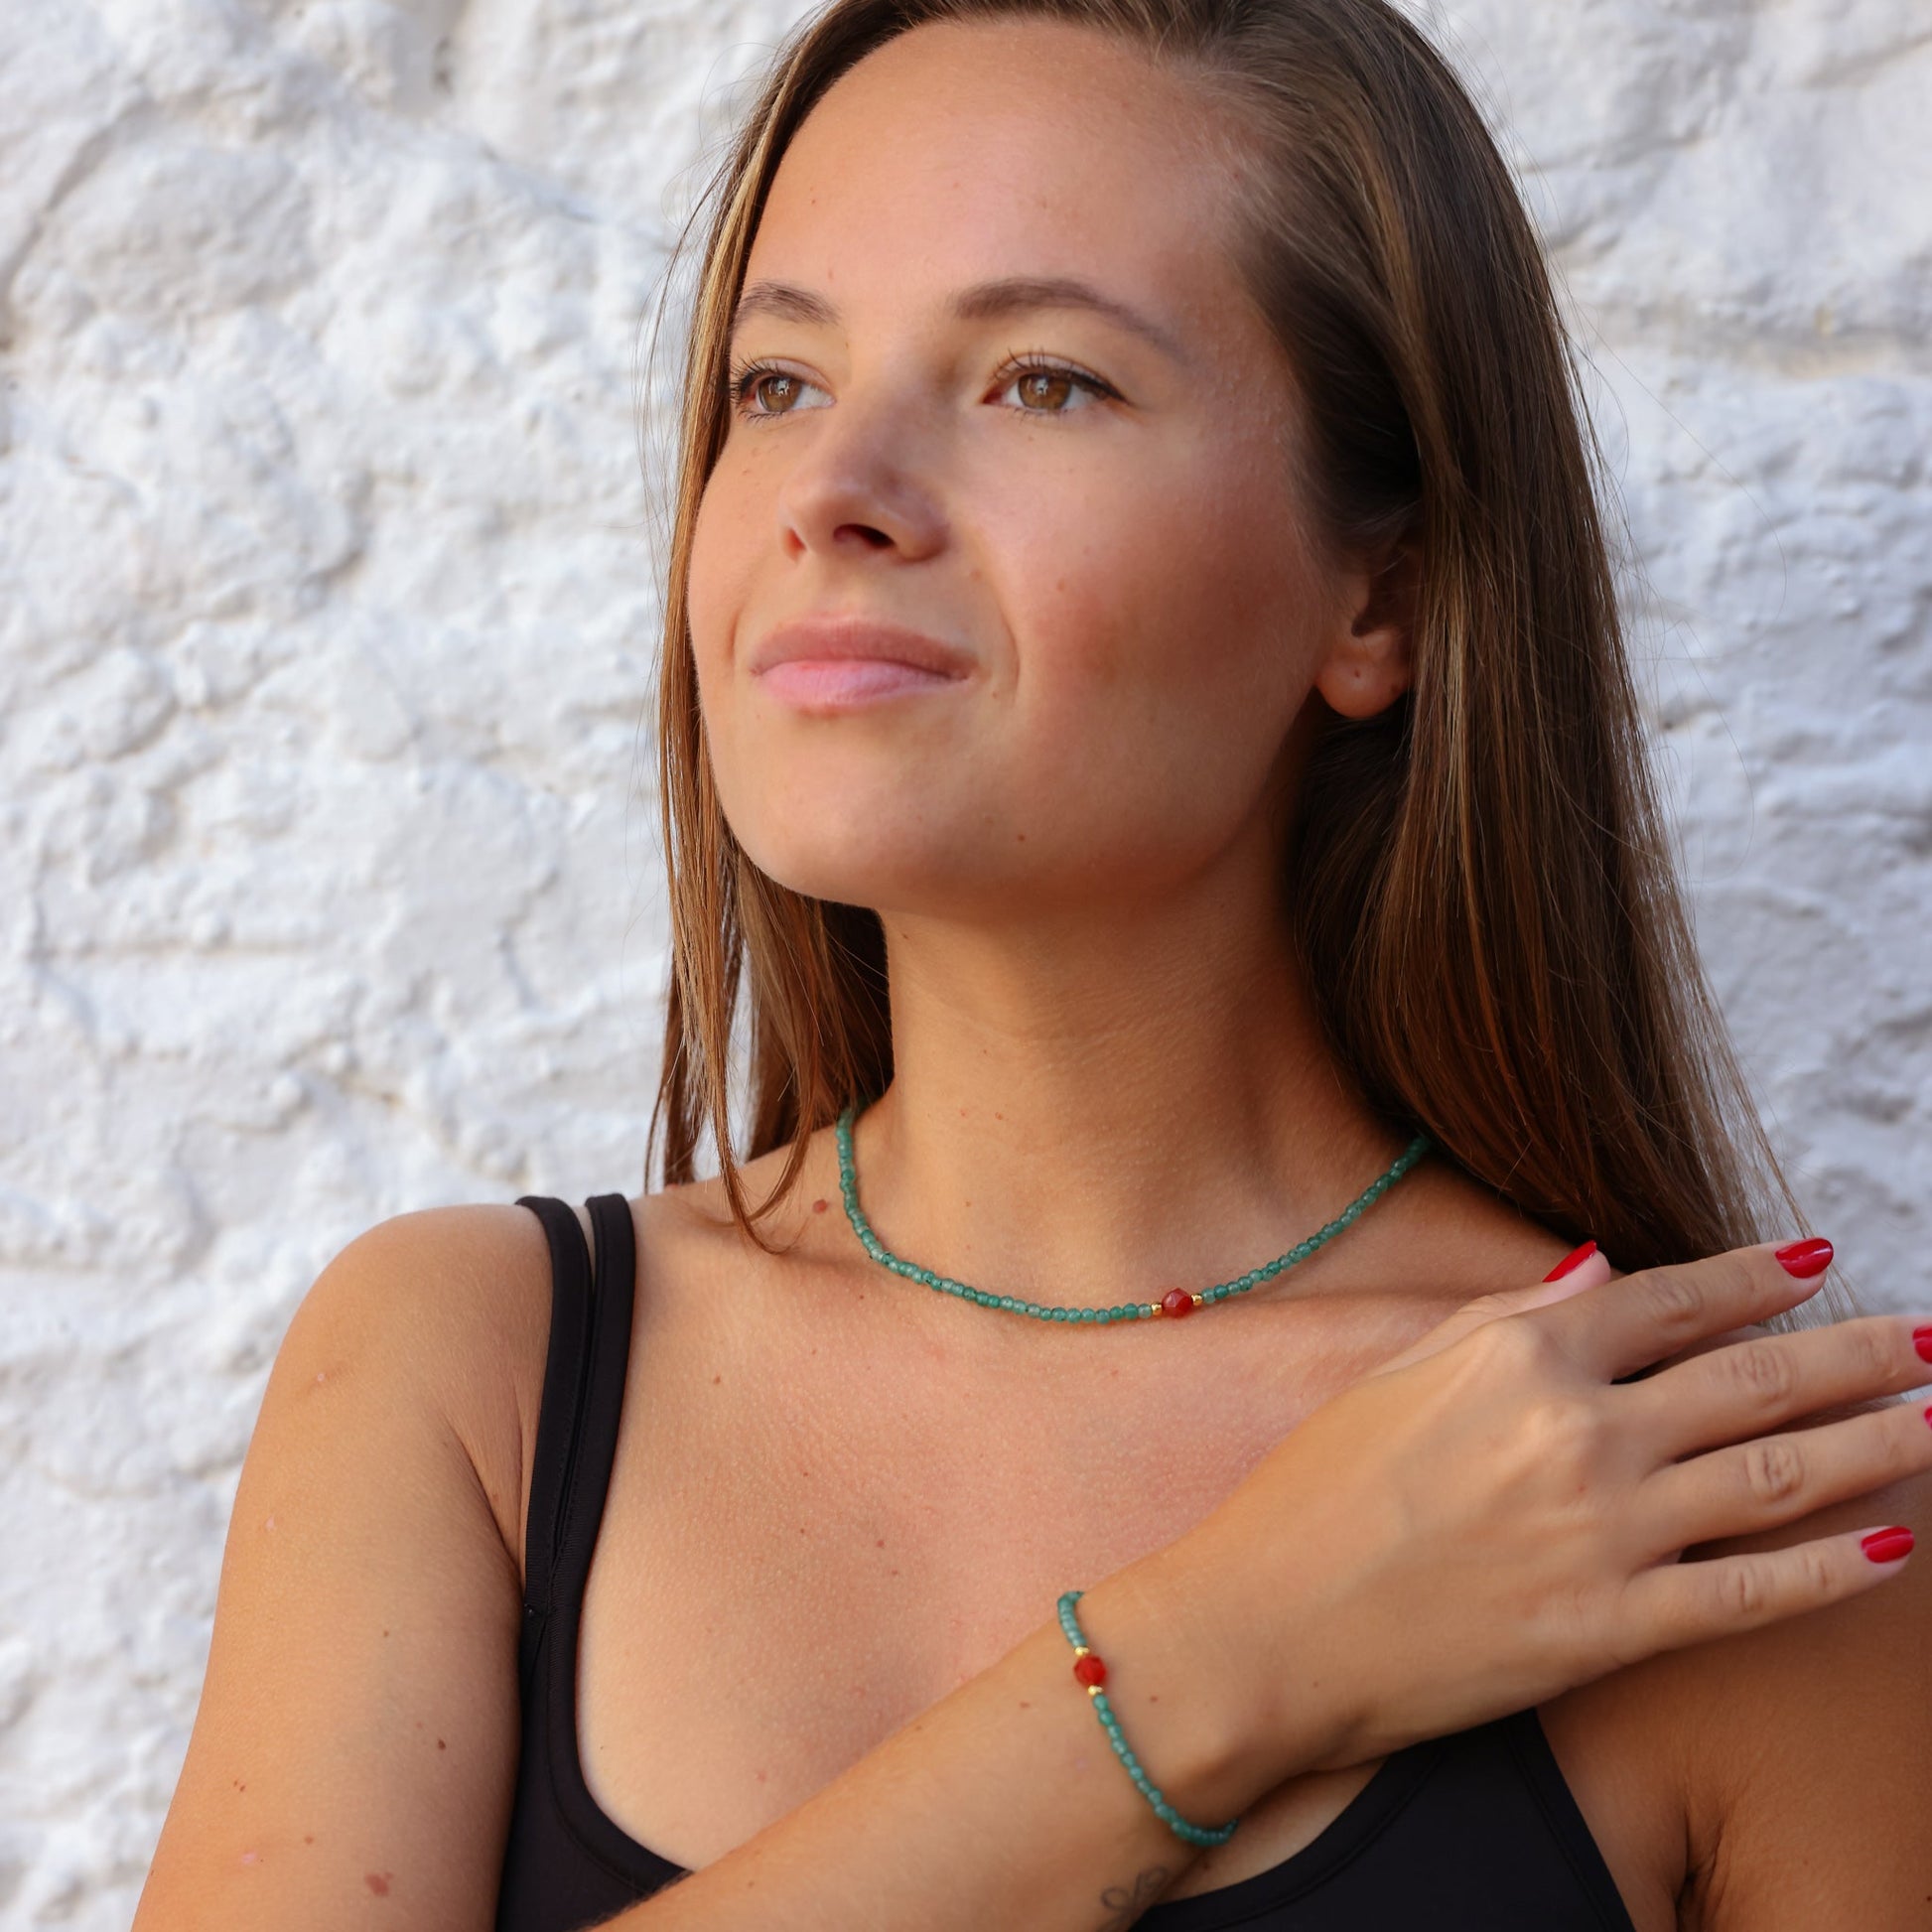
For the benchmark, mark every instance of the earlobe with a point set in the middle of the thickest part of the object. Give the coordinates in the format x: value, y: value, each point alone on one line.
x: 1361, y: 683
x: 1371, y: 664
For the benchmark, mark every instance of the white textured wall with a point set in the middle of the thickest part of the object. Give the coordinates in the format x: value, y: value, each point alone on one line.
x: 327, y: 875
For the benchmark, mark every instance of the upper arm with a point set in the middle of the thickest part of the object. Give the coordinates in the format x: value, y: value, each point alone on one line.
x: 354, y: 1754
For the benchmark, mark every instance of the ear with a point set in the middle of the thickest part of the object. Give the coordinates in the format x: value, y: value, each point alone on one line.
x: 1370, y: 662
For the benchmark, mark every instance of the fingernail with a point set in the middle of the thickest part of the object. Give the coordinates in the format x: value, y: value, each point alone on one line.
x: 1886, y: 1546
x: 1805, y: 1258
x: 1922, y: 1341
x: 1578, y: 1256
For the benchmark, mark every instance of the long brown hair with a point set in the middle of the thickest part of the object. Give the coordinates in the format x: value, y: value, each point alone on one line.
x: 1481, y: 877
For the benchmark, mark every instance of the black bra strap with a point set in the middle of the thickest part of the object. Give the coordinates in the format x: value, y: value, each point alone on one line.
x: 570, y: 1338
x: 583, y: 1398
x: 603, y: 1408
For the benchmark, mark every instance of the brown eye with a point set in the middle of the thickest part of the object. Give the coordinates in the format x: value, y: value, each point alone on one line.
x: 759, y: 392
x: 1046, y: 385
x: 762, y: 386
x: 1050, y: 389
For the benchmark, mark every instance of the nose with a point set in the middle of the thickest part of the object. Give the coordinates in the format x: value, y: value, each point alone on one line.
x: 859, y: 481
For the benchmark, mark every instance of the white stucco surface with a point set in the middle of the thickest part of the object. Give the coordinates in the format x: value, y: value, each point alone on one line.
x: 328, y: 876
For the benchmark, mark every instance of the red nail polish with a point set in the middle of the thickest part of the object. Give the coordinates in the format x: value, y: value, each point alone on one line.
x: 1576, y: 1259
x: 1805, y: 1258
x: 1886, y: 1546
x: 1922, y: 1341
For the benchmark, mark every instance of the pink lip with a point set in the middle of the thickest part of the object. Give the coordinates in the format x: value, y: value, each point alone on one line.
x: 832, y: 662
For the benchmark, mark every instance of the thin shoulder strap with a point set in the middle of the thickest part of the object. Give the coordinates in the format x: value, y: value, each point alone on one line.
x: 583, y: 1398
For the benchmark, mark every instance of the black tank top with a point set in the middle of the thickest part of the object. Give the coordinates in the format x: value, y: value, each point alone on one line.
x: 1474, y: 1832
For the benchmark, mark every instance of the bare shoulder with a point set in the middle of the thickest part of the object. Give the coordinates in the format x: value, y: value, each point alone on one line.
x: 357, y: 1732
x: 1785, y: 1768
x: 455, y: 1302
x: 1807, y: 1744
x: 1474, y: 1242
x: 690, y: 1242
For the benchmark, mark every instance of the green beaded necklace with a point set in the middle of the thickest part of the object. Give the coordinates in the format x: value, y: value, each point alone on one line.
x: 1176, y: 1302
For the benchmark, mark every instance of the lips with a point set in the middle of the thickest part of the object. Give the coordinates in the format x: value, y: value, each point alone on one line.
x: 843, y: 661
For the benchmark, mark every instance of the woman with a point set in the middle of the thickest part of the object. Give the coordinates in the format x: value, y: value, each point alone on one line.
x: 1144, y: 728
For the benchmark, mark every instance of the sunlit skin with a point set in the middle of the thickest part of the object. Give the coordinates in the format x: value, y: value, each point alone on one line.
x: 1108, y: 1078
x: 837, y: 1497
x: 1074, y: 846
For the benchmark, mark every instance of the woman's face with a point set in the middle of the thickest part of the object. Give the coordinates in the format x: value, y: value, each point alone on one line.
x: 1094, y: 521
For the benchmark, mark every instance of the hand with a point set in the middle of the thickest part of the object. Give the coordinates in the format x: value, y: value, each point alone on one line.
x: 1494, y: 1517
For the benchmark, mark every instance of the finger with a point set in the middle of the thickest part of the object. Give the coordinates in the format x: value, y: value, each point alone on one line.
x: 1779, y: 1478
x: 1680, y: 1603
x: 1640, y: 1318
x: 1592, y: 1272
x: 1725, y: 1395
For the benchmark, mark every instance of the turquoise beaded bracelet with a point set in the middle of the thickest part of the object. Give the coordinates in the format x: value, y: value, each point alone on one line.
x: 1090, y: 1670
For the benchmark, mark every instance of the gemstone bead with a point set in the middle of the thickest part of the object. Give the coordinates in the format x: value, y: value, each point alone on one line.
x: 1176, y: 1301
x: 1090, y: 1669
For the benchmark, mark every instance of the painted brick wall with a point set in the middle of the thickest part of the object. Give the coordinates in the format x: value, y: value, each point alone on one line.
x: 327, y: 874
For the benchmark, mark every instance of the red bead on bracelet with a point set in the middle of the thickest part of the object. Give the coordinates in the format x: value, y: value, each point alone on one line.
x: 1089, y: 1670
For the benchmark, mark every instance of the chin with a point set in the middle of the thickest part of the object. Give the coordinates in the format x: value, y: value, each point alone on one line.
x: 849, y: 832
x: 884, y: 866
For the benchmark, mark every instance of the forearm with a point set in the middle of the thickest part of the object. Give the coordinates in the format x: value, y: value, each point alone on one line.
x: 1003, y: 1804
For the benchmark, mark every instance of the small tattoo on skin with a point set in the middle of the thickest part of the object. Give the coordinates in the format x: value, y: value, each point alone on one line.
x: 1124, y: 1904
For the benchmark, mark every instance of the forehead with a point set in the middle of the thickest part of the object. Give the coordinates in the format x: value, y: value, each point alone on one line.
x: 962, y: 151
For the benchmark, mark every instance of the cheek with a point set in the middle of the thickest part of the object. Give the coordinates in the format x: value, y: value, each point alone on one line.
x: 715, y: 578
x: 1172, y: 625
x: 715, y: 596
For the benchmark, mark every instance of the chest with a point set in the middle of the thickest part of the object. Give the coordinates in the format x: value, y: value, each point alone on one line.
x: 812, y: 1534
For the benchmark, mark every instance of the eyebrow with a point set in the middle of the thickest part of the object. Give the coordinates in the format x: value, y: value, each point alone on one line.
x: 1010, y: 295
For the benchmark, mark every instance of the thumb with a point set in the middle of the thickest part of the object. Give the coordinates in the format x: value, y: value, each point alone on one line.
x: 1582, y: 1267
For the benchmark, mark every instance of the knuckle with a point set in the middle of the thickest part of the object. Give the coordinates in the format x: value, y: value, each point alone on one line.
x: 1743, y: 1587
x: 1901, y: 1449
x: 1566, y: 1436
x: 1774, y: 1470
x: 1763, y: 1372
x: 1817, y: 1580
x: 1873, y: 1359
x: 1487, y: 1310
x: 1514, y: 1344
x: 1673, y: 1301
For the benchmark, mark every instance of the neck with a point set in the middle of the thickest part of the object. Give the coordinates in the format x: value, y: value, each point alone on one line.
x: 1097, y: 1114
